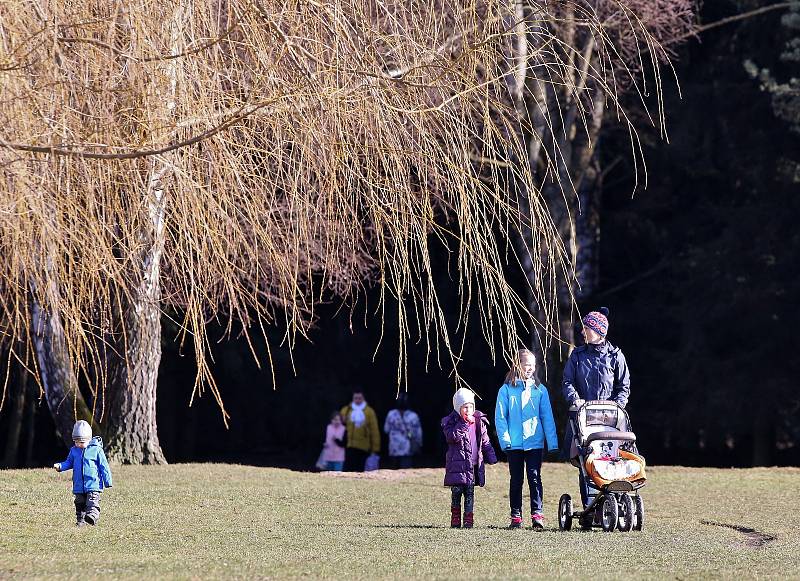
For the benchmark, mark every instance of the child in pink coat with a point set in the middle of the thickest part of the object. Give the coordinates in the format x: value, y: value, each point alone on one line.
x: 333, y: 449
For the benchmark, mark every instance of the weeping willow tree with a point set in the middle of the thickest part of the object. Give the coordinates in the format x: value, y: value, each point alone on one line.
x: 240, y: 161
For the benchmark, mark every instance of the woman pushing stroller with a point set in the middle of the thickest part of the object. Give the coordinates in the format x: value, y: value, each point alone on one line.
x: 596, y: 370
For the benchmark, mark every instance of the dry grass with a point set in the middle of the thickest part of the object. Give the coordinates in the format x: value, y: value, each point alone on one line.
x: 226, y: 521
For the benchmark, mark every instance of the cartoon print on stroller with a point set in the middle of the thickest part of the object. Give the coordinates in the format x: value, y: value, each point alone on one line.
x: 611, y: 467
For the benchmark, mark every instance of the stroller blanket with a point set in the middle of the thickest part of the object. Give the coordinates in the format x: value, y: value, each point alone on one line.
x: 604, y: 468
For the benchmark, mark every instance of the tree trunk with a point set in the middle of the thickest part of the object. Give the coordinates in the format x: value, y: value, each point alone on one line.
x: 30, y: 423
x: 16, y: 413
x: 58, y: 378
x: 131, y: 428
x: 587, y: 233
x: 573, y: 212
x: 131, y: 425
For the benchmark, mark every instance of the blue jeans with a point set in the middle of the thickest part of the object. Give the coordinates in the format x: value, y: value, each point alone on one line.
x: 468, y: 492
x: 334, y: 466
x: 521, y: 462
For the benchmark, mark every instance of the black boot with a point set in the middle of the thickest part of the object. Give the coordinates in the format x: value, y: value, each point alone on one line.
x: 80, y: 514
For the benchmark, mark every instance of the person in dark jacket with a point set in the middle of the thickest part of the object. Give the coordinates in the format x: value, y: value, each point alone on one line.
x: 596, y: 370
x: 90, y: 473
x: 466, y: 431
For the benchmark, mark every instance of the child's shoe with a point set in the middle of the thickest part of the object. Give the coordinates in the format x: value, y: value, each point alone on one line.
x: 537, y: 521
x: 516, y: 522
x: 468, y: 520
x: 455, y: 517
x: 90, y: 519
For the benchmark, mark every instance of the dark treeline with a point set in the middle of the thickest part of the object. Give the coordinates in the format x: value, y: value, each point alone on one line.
x: 696, y: 270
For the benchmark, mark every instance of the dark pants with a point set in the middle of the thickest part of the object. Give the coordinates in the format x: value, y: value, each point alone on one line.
x: 354, y: 460
x: 401, y: 462
x: 584, y: 489
x: 468, y: 491
x: 519, y: 463
x: 87, y: 507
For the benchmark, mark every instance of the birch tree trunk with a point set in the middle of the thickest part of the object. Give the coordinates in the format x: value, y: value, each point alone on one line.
x: 132, y: 426
x: 572, y: 197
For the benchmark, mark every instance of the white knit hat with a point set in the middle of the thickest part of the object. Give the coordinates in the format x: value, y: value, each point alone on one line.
x: 82, y: 431
x: 461, y: 397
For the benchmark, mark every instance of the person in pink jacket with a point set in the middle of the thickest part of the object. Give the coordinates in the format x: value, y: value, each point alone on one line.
x: 333, y: 449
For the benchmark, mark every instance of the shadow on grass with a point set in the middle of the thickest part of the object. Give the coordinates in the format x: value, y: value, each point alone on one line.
x: 753, y: 538
x: 402, y: 526
x: 529, y: 530
x: 490, y: 527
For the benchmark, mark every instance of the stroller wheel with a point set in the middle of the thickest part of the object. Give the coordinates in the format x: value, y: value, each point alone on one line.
x: 638, y: 513
x: 565, y: 512
x: 610, y: 513
x: 626, y: 513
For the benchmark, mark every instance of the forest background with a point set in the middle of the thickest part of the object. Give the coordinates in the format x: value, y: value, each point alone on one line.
x: 696, y: 269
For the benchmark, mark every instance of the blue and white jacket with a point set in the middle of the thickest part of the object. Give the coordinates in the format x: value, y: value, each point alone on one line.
x: 90, y: 471
x: 523, y: 417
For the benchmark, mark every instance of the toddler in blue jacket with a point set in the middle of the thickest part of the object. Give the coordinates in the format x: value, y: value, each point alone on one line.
x: 524, y: 421
x: 90, y: 473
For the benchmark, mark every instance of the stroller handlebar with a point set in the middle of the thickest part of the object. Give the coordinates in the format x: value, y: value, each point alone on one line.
x: 623, y: 436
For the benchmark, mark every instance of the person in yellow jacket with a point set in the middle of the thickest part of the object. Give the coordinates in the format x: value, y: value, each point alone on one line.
x: 363, y: 435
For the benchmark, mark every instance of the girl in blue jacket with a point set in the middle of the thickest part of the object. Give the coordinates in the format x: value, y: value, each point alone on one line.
x: 90, y: 473
x: 524, y: 420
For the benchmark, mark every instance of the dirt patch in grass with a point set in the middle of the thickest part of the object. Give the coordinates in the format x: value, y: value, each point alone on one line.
x: 753, y: 538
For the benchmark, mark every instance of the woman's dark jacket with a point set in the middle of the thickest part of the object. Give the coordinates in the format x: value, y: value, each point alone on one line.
x: 458, y: 462
x: 594, y: 372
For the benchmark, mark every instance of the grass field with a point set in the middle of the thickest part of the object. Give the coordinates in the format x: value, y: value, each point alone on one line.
x: 222, y: 521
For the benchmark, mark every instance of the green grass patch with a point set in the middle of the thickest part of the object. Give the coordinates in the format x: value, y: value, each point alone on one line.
x: 223, y: 521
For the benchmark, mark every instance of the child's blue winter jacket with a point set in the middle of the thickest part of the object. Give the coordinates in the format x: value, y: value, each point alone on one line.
x: 90, y: 471
x: 523, y: 417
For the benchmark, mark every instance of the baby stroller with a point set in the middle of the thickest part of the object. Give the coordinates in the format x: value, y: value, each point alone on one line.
x: 611, y: 467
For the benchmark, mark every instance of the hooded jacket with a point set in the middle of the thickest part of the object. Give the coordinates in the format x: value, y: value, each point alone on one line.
x: 458, y: 462
x: 597, y: 372
x: 594, y: 372
x: 524, y: 418
x: 90, y: 471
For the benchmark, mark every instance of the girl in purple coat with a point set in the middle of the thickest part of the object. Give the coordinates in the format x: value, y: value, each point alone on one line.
x: 467, y: 434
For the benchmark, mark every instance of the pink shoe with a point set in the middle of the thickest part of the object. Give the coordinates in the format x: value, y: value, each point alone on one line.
x: 537, y: 521
x: 516, y: 522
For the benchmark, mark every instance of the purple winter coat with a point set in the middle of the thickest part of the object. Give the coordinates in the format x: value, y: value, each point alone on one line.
x: 458, y: 462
